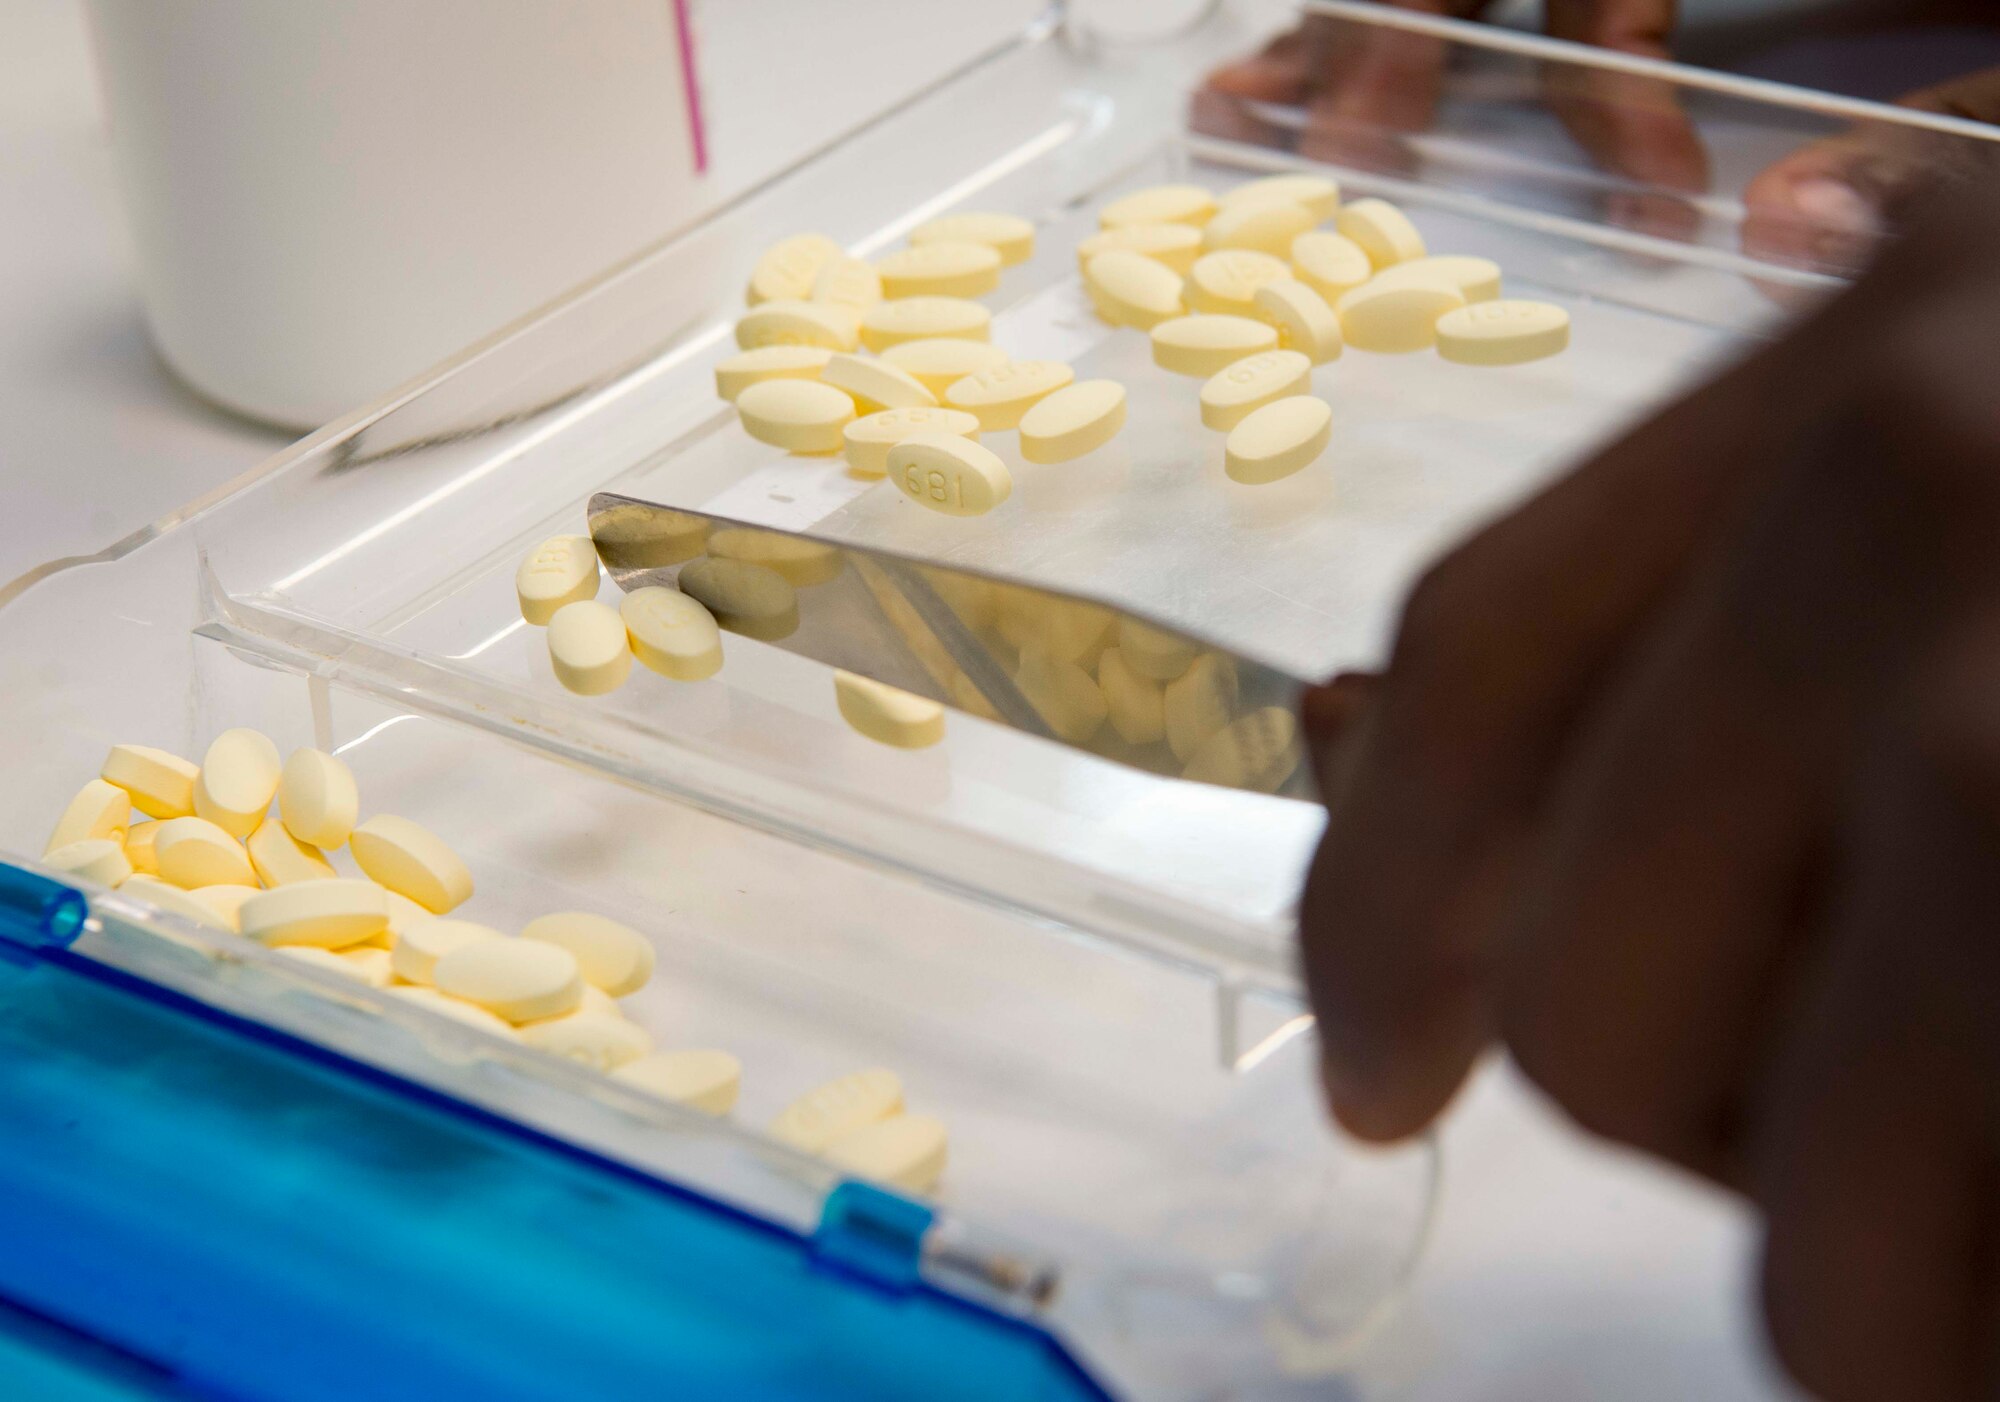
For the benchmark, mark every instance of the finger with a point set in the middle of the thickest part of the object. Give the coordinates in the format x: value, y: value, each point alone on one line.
x: 1374, y: 86
x: 1875, y: 1159
x: 1279, y: 73
x: 1330, y: 715
x: 1496, y: 659
x: 1631, y: 126
x: 1828, y: 204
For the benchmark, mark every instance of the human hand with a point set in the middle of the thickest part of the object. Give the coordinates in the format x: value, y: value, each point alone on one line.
x: 1364, y: 88
x: 1683, y: 782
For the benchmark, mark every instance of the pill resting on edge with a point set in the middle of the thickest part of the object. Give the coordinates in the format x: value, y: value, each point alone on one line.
x: 698, y: 1077
x: 588, y: 648
x: 280, y: 859
x: 317, y: 797
x: 331, y: 914
x: 410, y: 859
x: 239, y: 778
x: 876, y: 384
x: 561, y: 570
x: 98, y: 810
x: 195, y: 852
x: 161, y: 784
x: 888, y: 715
x: 1383, y: 231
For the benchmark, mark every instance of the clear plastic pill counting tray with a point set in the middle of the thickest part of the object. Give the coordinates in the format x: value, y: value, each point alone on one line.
x: 1082, y: 969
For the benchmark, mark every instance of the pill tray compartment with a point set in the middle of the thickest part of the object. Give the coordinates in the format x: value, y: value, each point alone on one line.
x: 1085, y: 971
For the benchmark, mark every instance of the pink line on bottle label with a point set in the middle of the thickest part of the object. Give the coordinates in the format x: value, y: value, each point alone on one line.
x: 691, y: 86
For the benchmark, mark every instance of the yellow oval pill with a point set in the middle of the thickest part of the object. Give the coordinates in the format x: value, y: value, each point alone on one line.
x: 1383, y: 232
x: 800, y: 416
x: 161, y: 784
x: 1062, y: 693
x: 1258, y: 751
x: 749, y: 599
x: 1009, y: 235
x: 227, y: 902
x: 561, y: 570
x: 195, y: 852
x: 1159, y: 204
x: 838, y: 1108
x: 331, y: 914
x: 787, y: 269
x: 780, y: 362
x: 1266, y: 227
x: 457, y: 1009
x: 870, y: 437
x: 1502, y: 333
x: 519, y: 980
x: 139, y: 851
x: 604, y: 1041
x: 614, y: 958
x: 938, y: 362
x: 1304, y: 321
x: 1205, y: 343
x: 904, y: 1151
x: 923, y: 318
x: 98, y: 810
x: 99, y: 859
x: 366, y: 963
x: 1330, y: 264
x: 281, y: 859
x: 426, y: 941
x: 1136, y: 704
x: 1277, y: 440
x: 1075, y: 420
x: 410, y: 859
x: 1154, y: 652
x: 948, y: 473
x: 239, y: 778
x: 803, y: 562
x: 317, y: 797
x: 849, y: 283
x: 588, y: 649
x: 1319, y: 195
x: 1000, y: 396
x: 1232, y: 392
x: 671, y: 633
x: 174, y: 901
x: 698, y: 1077
x: 1477, y: 279
x: 1393, y: 320
x: 886, y: 714
x: 792, y: 323
x: 875, y: 384
x: 1226, y: 282
x: 1176, y: 245
x: 1130, y: 289
x: 945, y: 269
x: 1198, y: 703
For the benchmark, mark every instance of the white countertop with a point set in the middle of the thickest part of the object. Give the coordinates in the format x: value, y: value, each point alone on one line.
x: 1559, y: 1270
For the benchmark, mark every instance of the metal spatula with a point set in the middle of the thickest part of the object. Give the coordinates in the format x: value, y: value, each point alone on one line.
x: 1030, y: 659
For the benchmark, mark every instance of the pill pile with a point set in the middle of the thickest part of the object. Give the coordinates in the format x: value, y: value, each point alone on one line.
x: 739, y: 580
x: 210, y: 849
x: 1246, y: 291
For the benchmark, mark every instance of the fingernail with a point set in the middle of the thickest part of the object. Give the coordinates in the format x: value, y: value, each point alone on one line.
x: 1836, y: 205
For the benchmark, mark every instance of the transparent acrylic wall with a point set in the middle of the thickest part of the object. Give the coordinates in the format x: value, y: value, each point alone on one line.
x: 1086, y: 971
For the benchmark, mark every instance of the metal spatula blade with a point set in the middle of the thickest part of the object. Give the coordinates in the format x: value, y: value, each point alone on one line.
x: 1031, y: 659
